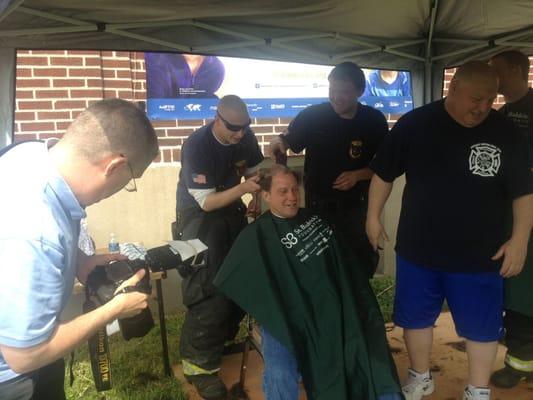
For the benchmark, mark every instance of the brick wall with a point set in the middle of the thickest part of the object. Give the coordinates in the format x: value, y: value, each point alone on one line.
x: 52, y: 88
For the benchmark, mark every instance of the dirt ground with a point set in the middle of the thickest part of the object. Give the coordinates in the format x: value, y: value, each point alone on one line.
x: 449, y: 367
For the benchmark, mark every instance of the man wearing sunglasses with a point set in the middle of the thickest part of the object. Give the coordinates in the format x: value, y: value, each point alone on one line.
x: 214, y: 161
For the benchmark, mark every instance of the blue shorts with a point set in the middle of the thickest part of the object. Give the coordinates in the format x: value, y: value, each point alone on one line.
x: 475, y: 300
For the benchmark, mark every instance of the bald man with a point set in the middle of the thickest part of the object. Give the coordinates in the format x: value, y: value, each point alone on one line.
x: 214, y: 160
x: 44, y: 194
x: 465, y: 167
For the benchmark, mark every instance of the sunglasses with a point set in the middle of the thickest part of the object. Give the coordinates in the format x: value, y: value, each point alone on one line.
x: 233, y: 127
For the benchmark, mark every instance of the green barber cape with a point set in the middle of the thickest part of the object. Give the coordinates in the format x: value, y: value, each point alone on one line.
x: 519, y: 289
x: 291, y: 276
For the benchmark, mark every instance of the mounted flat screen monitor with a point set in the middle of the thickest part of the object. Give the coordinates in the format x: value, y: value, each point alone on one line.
x: 187, y: 86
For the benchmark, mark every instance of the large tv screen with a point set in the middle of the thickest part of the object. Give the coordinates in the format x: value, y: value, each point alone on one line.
x: 187, y: 86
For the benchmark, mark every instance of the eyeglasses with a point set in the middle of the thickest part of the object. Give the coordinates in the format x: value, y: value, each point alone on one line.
x: 233, y: 127
x: 131, y: 186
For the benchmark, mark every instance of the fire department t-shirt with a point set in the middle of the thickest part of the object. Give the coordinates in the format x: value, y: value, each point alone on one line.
x: 460, y: 183
x: 208, y: 164
x: 333, y: 145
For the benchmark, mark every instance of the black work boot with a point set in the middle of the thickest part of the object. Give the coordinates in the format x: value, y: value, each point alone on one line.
x: 209, y: 386
x: 507, y: 377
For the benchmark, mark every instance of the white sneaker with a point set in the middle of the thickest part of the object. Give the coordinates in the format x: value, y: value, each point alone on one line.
x: 475, y: 393
x: 418, y: 385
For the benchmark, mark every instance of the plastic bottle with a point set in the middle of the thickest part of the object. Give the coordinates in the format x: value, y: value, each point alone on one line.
x: 113, y: 245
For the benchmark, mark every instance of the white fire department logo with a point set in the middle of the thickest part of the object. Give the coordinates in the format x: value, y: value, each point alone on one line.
x: 484, y: 159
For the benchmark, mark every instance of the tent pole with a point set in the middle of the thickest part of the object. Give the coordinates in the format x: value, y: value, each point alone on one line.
x: 428, y: 65
x: 10, y: 9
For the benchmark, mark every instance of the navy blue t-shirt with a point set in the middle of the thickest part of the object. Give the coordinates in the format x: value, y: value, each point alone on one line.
x: 521, y: 113
x: 460, y: 183
x: 333, y: 145
x: 208, y: 164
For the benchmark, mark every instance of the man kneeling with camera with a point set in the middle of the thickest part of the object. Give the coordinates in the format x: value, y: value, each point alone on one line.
x: 319, y: 316
x: 45, y: 192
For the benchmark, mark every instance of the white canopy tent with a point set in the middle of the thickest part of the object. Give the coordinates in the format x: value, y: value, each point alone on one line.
x: 423, y: 36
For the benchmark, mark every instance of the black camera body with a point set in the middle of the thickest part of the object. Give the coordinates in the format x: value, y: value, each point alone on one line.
x: 103, y: 282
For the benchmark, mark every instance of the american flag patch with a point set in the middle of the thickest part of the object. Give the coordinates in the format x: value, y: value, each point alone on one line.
x: 199, y: 178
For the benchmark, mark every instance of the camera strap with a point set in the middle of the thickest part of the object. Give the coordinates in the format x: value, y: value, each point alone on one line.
x: 99, y: 353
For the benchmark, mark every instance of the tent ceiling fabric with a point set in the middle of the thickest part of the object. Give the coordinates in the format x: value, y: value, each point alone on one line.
x: 386, y: 34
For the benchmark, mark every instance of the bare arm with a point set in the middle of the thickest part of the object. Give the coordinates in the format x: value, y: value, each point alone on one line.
x: 71, y: 334
x: 378, y: 194
x: 514, y: 251
x: 216, y: 200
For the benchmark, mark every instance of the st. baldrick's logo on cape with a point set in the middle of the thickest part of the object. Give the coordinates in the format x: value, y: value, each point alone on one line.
x: 356, y: 149
x: 484, y: 159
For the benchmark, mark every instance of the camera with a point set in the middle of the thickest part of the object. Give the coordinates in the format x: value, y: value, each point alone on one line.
x: 103, y: 282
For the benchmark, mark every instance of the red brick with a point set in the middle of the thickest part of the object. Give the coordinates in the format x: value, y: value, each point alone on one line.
x: 169, y: 142
x: 176, y: 155
x: 43, y: 115
x: 93, y: 83
x: 33, y: 83
x: 109, y: 73
x: 21, y: 137
x: 34, y: 105
x: 180, y: 132
x: 47, y: 52
x: 62, y: 125
x: 69, y: 104
x: 24, y: 116
x: 50, y: 72
x: 84, y: 72
x: 263, y: 129
x: 124, y: 74
x: 140, y: 75
x: 164, y: 124
x: 66, y: 60
x: 119, y: 84
x: 92, y: 62
x: 167, y: 155
x: 56, y: 94
x: 285, y: 120
x: 50, y: 135
x: 110, y: 93
x: 32, y: 61
x: 158, y: 157
x: 190, y: 122
x: 24, y: 72
x: 83, y: 52
x: 23, y: 52
x: 111, y: 63
x: 86, y: 93
x: 69, y: 82
x: 24, y: 94
x: 125, y: 94
x: 37, y: 126
x: 267, y: 121
x: 121, y: 54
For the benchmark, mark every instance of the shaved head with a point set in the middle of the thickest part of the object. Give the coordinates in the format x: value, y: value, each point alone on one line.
x: 472, y: 91
x: 113, y: 126
x: 233, y: 104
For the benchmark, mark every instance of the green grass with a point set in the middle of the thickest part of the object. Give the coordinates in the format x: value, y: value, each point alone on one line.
x: 137, y: 366
x: 384, y: 289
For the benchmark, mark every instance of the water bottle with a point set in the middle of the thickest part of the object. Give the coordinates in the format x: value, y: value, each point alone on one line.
x: 113, y: 245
